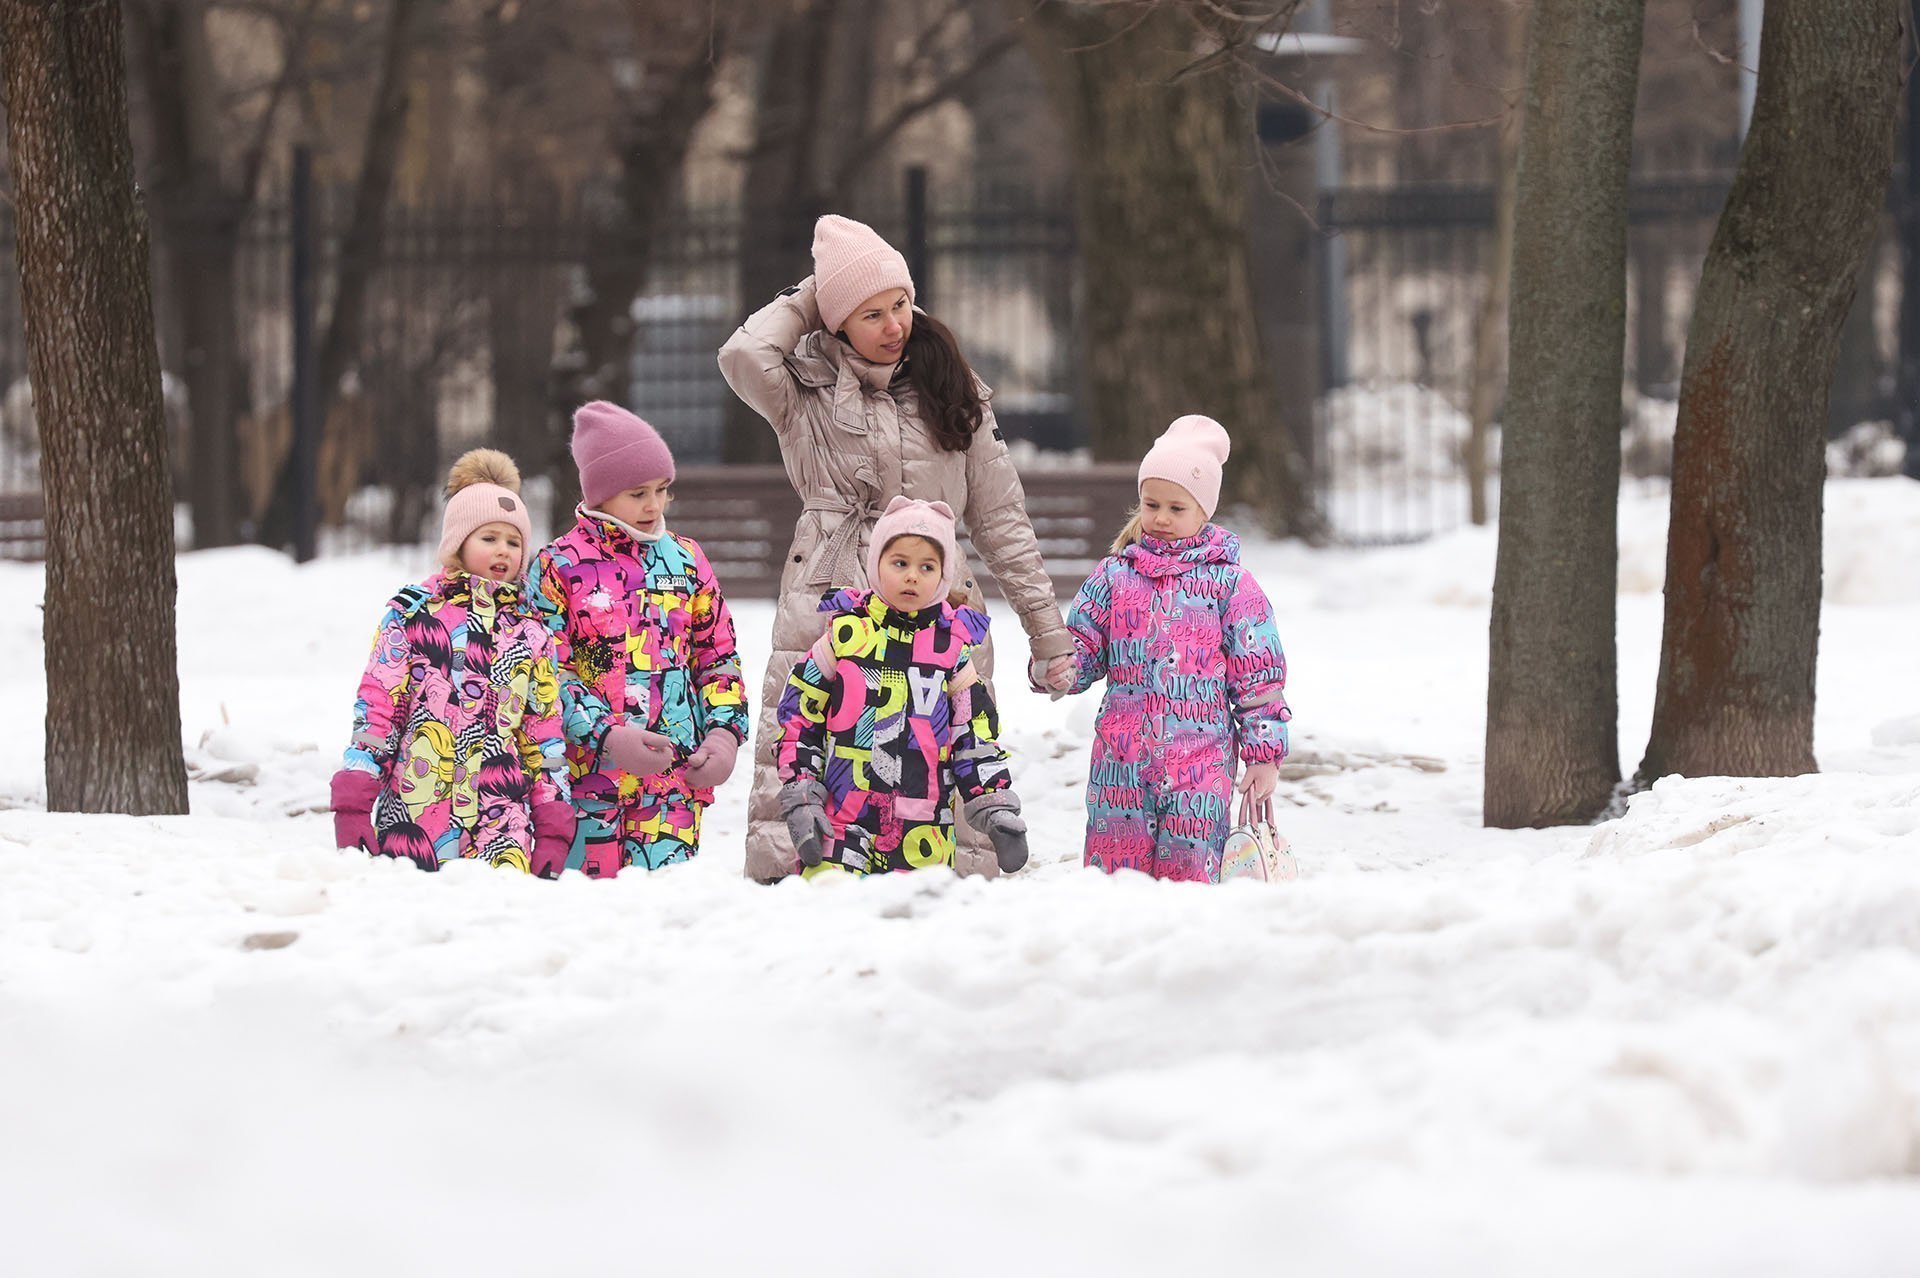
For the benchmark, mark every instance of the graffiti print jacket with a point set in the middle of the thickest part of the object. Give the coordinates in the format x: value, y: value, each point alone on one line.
x: 457, y: 716
x: 1185, y: 639
x: 889, y: 714
x: 643, y: 636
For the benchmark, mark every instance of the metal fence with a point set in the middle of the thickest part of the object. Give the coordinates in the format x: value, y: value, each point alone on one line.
x: 467, y: 314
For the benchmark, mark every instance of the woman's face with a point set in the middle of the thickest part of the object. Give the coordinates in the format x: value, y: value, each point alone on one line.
x: 1168, y: 511
x: 878, y: 327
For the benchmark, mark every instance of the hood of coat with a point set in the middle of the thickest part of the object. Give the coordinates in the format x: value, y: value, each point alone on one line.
x: 970, y: 622
x: 465, y: 588
x: 1152, y: 557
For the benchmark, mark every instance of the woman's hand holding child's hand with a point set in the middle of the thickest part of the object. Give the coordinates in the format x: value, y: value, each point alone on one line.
x: 1054, y: 674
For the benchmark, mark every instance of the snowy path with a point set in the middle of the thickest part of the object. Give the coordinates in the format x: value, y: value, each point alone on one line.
x: 1685, y: 1042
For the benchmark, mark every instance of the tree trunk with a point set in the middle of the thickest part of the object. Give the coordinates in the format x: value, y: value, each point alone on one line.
x: 359, y: 250
x: 653, y: 147
x: 197, y: 222
x: 1490, y: 329
x: 1162, y: 143
x: 113, y: 690
x: 1553, y: 752
x: 782, y: 190
x: 1743, y: 549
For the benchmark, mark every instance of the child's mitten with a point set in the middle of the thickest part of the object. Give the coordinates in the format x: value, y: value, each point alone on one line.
x: 804, y: 804
x: 998, y: 813
x: 636, y: 751
x: 712, y: 763
x: 353, y: 793
x: 552, y: 837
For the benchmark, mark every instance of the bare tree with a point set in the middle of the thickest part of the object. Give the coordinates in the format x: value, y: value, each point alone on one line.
x: 200, y: 203
x: 113, y: 692
x: 1741, y: 638
x: 360, y: 245
x: 1156, y: 96
x: 1552, y: 703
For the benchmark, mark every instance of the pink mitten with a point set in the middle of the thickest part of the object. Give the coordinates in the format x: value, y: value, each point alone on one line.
x: 552, y: 837
x: 713, y: 762
x: 635, y: 750
x: 352, y: 796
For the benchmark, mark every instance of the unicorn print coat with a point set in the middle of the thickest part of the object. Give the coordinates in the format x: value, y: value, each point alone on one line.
x: 1195, y: 675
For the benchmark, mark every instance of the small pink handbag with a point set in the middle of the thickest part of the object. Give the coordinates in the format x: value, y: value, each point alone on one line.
x: 1256, y: 850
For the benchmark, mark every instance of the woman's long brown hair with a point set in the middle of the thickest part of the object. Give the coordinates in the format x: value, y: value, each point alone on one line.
x: 950, y: 399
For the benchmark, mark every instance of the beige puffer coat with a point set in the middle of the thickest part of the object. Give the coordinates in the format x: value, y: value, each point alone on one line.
x: 852, y: 442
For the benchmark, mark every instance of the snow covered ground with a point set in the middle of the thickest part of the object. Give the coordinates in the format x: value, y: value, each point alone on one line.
x: 1683, y: 1042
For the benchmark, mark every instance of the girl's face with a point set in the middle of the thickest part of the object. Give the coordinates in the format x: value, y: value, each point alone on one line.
x: 493, y: 551
x: 910, y: 570
x: 1168, y: 511
x: 878, y: 327
x: 644, y: 507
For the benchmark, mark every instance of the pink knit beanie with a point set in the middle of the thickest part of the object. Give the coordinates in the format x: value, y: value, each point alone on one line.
x: 483, y: 487
x: 616, y: 451
x: 850, y: 264
x: 1191, y: 454
x: 908, y: 517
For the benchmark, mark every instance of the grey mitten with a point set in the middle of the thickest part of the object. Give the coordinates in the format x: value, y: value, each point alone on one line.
x: 804, y: 804
x: 999, y: 815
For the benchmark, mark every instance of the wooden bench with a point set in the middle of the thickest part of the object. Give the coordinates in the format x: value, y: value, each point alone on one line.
x: 744, y: 516
x: 23, y: 526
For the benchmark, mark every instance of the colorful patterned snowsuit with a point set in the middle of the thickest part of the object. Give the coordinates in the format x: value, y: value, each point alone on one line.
x: 897, y: 726
x: 458, y: 716
x: 1195, y: 675
x: 643, y: 636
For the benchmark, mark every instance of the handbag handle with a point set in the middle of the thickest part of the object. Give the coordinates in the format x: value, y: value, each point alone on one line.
x: 1252, y: 813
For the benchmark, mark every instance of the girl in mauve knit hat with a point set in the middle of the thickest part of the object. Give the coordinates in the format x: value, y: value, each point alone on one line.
x: 457, y: 750
x: 1196, y: 678
x: 655, y: 710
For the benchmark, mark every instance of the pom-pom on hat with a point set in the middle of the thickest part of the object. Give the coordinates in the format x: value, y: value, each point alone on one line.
x: 615, y: 451
x: 483, y: 487
x: 1191, y: 453
x: 909, y: 517
x: 850, y: 264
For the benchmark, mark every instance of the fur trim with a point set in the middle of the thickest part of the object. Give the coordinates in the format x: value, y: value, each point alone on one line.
x: 483, y: 466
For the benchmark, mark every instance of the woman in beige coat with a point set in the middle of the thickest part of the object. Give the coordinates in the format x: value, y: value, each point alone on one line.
x: 873, y: 400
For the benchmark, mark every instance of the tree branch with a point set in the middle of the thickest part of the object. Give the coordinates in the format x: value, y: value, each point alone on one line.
x: 906, y: 112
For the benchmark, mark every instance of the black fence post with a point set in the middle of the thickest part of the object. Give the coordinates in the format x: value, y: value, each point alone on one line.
x: 304, y: 400
x: 917, y: 234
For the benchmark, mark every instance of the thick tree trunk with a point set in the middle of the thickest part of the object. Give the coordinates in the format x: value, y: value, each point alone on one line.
x: 1162, y: 143
x: 1743, y: 551
x: 113, y: 691
x: 1552, y: 705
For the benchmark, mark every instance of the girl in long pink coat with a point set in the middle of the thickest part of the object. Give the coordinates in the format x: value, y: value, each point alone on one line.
x: 1196, y: 678
x: 457, y: 750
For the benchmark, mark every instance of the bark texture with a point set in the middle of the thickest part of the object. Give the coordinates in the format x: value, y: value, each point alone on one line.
x: 113, y: 692
x: 1741, y: 637
x: 1161, y: 132
x: 1553, y: 753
